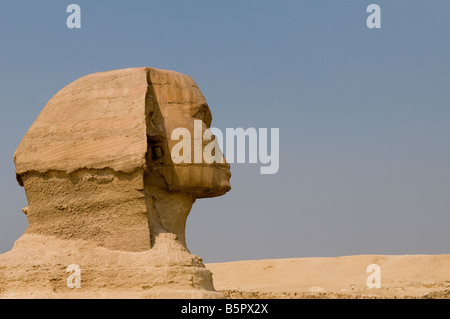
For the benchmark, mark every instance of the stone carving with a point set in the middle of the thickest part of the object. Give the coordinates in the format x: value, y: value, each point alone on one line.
x: 103, y: 192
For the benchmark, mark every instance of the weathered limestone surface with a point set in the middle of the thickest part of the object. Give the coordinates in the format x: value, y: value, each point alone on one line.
x: 103, y: 192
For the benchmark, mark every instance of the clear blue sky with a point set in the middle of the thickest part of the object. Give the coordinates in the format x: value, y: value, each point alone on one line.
x: 363, y: 114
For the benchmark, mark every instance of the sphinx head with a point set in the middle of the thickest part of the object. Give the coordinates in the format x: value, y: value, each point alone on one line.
x: 174, y: 102
x: 97, y: 163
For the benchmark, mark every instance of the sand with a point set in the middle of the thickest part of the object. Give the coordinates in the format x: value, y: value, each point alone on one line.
x: 401, y: 276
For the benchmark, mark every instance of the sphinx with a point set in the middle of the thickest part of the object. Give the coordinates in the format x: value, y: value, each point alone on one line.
x: 104, y: 193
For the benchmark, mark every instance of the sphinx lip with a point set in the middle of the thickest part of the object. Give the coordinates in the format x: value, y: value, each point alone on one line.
x: 225, y: 167
x: 214, y: 165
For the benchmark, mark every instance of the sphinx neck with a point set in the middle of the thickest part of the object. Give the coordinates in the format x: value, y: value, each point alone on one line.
x: 167, y: 213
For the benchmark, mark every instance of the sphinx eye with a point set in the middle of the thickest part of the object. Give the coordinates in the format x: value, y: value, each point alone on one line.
x: 154, y: 148
x: 204, y: 114
x: 157, y: 152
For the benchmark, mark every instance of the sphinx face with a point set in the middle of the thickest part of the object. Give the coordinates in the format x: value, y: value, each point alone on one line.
x: 182, y: 106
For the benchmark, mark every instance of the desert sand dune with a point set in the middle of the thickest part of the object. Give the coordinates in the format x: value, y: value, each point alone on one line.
x: 406, y: 276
